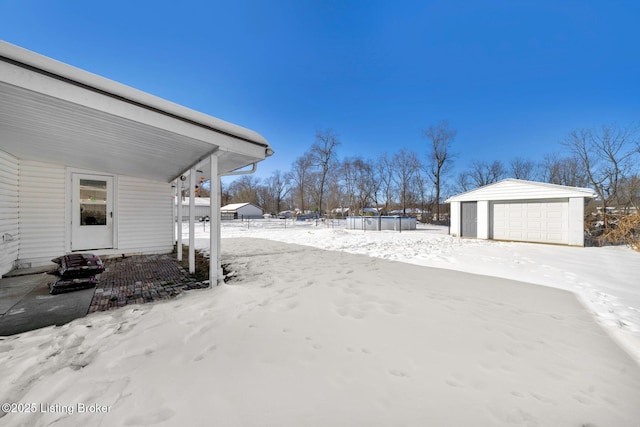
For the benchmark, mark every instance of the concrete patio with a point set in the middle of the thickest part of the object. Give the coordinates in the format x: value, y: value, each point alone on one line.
x: 25, y: 302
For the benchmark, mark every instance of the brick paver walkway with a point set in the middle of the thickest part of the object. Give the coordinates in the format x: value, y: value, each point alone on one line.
x: 139, y: 279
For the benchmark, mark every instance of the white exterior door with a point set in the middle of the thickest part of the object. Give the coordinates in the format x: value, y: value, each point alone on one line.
x: 92, y: 212
x: 545, y: 221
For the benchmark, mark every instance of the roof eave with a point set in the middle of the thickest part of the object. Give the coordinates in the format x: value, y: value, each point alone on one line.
x: 105, y: 86
x: 56, y: 113
x: 579, y: 191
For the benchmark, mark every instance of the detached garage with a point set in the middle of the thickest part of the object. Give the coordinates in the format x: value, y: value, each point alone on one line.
x: 241, y: 211
x: 524, y: 211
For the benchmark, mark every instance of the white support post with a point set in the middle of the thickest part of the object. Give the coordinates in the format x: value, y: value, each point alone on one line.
x: 179, y: 218
x: 173, y: 213
x: 215, y: 269
x: 192, y: 225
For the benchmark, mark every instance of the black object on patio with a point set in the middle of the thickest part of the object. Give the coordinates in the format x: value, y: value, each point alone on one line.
x: 76, y: 271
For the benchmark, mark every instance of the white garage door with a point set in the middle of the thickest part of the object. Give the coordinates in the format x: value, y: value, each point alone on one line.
x: 544, y: 221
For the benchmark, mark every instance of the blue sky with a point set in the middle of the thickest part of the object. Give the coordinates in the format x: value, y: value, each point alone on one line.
x: 512, y: 77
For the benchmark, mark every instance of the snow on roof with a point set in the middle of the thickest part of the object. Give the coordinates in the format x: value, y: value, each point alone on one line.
x: 56, y: 113
x: 519, y: 189
x: 105, y: 85
x: 234, y: 206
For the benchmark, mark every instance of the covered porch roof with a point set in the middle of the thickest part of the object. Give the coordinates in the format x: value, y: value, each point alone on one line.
x: 55, y: 113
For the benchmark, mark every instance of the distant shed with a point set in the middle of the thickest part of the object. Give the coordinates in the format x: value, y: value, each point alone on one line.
x: 519, y: 210
x: 241, y: 211
x: 201, y: 207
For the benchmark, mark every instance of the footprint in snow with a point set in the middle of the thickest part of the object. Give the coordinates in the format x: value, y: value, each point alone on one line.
x: 398, y: 373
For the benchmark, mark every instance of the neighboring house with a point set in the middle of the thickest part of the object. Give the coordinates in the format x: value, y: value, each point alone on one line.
x: 88, y: 164
x: 241, y: 211
x: 369, y: 211
x: 521, y: 210
x: 340, y: 211
x: 201, y: 209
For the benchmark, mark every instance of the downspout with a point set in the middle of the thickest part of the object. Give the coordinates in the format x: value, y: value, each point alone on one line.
x: 254, y: 168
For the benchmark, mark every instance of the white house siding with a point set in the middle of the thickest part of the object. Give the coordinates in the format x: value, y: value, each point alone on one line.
x: 9, y: 230
x: 144, y: 217
x: 41, y: 213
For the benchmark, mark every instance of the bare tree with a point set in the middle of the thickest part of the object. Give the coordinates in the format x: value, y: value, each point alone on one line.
x: 313, y: 178
x: 373, y: 183
x: 245, y: 189
x: 333, y: 193
x: 463, y: 182
x: 265, y: 199
x: 422, y: 188
x: 440, y: 138
x: 323, y: 158
x: 482, y: 173
x: 559, y: 170
x: 522, y: 168
x: 225, y: 194
x: 606, y: 156
x: 384, y: 172
x: 300, y: 171
x: 348, y: 179
x: 349, y: 184
x: 276, y: 188
x: 366, y: 187
x: 405, y: 166
x: 629, y: 194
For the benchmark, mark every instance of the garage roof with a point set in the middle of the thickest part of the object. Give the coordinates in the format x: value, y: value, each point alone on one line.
x: 517, y: 189
x: 52, y: 112
x: 235, y: 206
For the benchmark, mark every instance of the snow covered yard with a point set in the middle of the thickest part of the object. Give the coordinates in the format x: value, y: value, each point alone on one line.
x: 305, y: 336
x: 607, y: 280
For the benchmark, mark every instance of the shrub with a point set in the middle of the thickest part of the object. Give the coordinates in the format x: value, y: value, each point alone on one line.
x: 626, y: 231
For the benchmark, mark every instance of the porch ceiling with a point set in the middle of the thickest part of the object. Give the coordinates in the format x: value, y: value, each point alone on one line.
x: 34, y: 126
x: 55, y: 113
